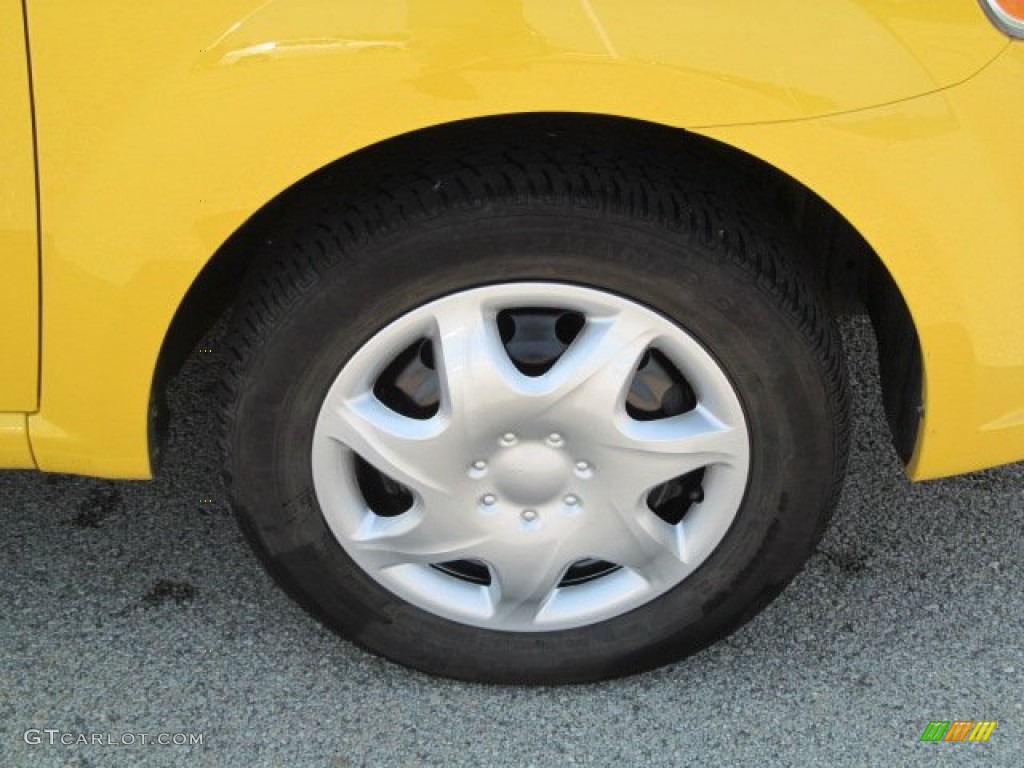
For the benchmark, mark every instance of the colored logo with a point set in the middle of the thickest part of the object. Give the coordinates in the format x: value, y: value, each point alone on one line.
x: 959, y: 730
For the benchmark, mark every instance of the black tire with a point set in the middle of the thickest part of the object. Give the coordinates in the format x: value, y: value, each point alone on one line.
x: 327, y: 285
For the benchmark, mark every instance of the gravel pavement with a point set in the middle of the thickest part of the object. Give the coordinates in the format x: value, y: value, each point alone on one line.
x: 134, y: 608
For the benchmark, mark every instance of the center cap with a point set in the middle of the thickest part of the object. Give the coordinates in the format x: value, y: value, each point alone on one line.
x: 531, y: 474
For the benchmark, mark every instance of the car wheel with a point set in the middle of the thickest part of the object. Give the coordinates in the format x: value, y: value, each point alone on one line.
x: 511, y: 436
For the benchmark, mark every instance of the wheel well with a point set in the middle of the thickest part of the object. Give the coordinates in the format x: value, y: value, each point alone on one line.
x: 846, y: 268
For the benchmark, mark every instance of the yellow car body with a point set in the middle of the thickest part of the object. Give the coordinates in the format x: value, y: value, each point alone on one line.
x: 138, y: 138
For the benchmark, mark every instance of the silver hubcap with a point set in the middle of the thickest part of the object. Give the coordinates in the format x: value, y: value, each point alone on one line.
x: 520, y: 479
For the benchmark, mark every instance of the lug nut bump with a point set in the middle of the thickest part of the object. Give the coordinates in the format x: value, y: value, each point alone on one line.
x: 529, y: 515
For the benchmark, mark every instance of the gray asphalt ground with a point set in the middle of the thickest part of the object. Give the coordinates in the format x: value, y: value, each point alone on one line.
x: 132, y: 608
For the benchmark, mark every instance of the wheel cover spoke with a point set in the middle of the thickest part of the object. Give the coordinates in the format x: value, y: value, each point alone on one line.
x: 522, y: 584
x: 648, y: 546
x: 594, y: 373
x: 652, y: 452
x: 477, y: 377
x: 414, y: 537
x: 407, y: 450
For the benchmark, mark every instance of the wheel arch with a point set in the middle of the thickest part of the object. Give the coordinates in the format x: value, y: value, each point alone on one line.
x: 845, y: 266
